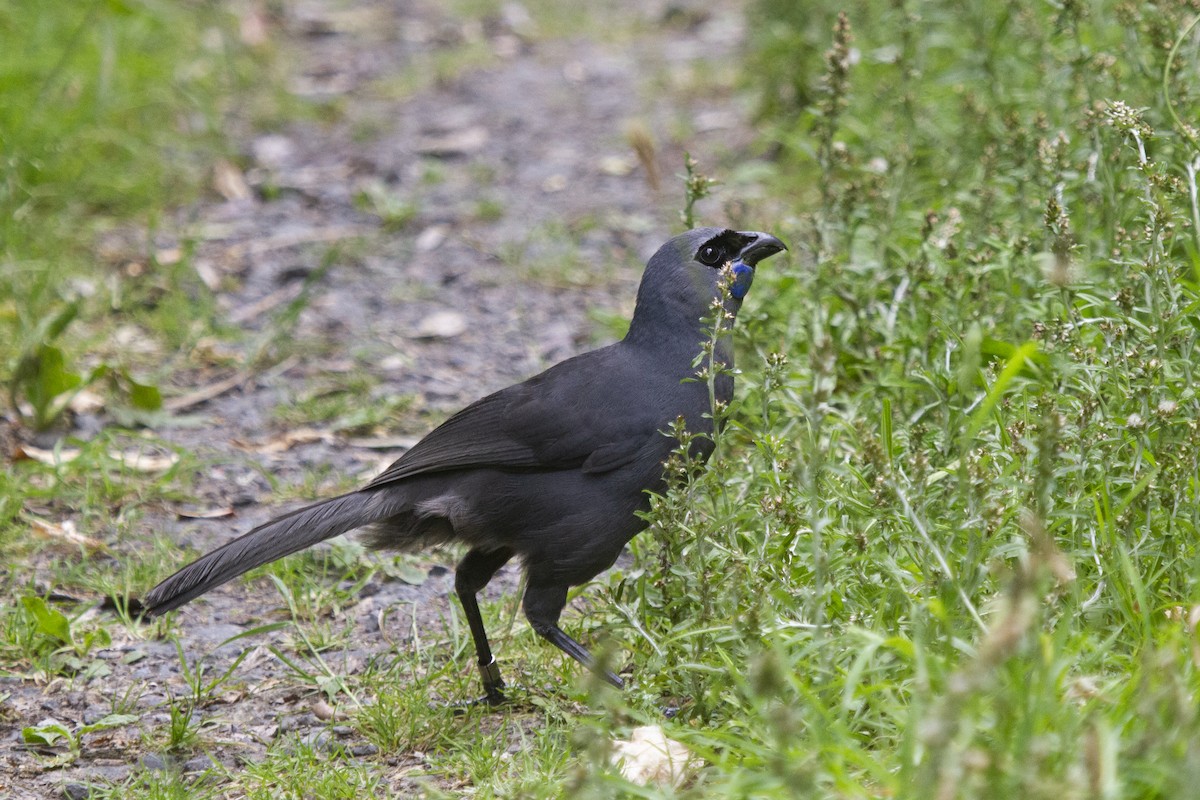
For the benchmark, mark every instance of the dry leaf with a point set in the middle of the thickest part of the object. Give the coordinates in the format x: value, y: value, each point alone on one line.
x: 167, y: 256
x: 273, y: 150
x: 252, y: 27
x: 210, y: 513
x: 141, y: 461
x: 64, y: 532
x: 86, y: 402
x: 650, y: 757
x: 456, y: 143
x: 384, y: 442
x: 282, y: 241
x: 207, y: 271
x: 286, y: 440
x: 284, y: 294
x: 619, y: 166
x: 51, y: 457
x: 325, y: 712
x: 639, y: 138
x: 555, y: 183
x: 197, y: 396
x: 228, y: 181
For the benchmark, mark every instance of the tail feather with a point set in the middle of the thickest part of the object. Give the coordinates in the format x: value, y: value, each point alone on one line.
x: 272, y: 540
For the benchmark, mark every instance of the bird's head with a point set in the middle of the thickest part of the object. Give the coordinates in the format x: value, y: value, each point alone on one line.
x: 691, y: 270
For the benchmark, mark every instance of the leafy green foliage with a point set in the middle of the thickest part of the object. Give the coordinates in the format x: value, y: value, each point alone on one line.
x: 948, y: 545
x: 108, y: 111
x: 41, y: 636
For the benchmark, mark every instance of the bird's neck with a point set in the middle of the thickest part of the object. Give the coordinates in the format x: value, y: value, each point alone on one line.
x: 662, y: 338
x: 666, y: 307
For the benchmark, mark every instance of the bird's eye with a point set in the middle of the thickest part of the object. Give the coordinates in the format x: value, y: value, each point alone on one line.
x: 709, y: 255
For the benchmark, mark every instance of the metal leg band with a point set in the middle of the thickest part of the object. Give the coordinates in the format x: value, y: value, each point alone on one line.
x: 490, y: 673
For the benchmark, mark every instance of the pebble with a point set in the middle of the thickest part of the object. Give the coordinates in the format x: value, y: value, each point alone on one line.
x: 152, y: 762
x: 200, y: 763
x: 441, y: 325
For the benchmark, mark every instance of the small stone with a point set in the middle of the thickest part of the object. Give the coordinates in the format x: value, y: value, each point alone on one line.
x: 455, y: 143
x: 200, y: 763
x: 323, y: 711
x: 76, y: 791
x: 273, y: 151
x: 431, y: 238
x: 152, y: 762
x: 574, y: 72
x: 441, y: 325
x: 555, y: 183
x: 289, y: 724
x: 321, y: 740
x: 618, y: 166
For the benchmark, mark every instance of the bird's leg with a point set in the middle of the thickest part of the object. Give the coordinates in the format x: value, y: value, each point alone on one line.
x: 543, y: 606
x: 473, y: 573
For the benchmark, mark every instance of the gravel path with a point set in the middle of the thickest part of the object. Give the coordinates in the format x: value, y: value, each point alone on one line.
x: 464, y: 212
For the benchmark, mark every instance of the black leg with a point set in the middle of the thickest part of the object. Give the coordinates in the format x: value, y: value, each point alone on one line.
x: 543, y: 606
x: 473, y: 573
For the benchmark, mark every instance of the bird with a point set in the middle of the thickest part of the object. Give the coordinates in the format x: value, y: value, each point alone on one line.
x: 554, y: 471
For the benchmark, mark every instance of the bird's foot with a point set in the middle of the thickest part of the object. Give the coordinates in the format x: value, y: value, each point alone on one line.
x: 493, y: 699
x: 493, y: 684
x: 493, y: 689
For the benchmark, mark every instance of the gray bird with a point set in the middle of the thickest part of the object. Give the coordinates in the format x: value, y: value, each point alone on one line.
x: 553, y: 470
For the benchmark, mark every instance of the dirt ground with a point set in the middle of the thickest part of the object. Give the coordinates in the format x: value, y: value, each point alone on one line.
x: 465, y: 217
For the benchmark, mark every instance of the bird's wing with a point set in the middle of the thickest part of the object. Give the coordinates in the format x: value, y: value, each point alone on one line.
x: 583, y: 413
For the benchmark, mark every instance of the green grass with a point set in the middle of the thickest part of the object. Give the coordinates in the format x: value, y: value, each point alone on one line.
x: 948, y: 546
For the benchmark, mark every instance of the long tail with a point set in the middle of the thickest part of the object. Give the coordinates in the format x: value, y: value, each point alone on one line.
x: 281, y: 536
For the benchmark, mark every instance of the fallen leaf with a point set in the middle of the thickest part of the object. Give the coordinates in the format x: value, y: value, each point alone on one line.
x: 209, y: 513
x: 283, y: 241
x: 619, y: 166
x: 650, y: 757
x: 323, y: 711
x: 141, y: 461
x: 287, y: 440
x: 86, y: 401
x: 64, y: 532
x: 405, y: 572
x: 273, y: 150
x: 200, y: 395
x: 228, y: 181
x: 284, y: 294
x: 252, y: 27
x: 455, y: 143
x: 167, y: 256
x: 555, y: 183
x: 62, y: 455
x: 384, y: 442
x: 639, y: 138
x: 207, y: 271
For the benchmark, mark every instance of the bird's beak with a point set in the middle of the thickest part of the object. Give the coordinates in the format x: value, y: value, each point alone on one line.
x: 759, y: 246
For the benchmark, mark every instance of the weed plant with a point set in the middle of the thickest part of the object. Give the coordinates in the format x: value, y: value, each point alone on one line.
x: 948, y: 544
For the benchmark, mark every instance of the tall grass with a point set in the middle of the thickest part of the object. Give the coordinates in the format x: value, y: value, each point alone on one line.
x: 111, y: 114
x: 951, y: 548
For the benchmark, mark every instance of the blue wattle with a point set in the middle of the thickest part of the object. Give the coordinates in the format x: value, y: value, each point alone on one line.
x: 743, y: 276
